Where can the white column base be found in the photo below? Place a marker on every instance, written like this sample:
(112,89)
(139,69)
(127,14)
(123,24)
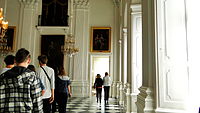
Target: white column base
(121,100)
(128,99)
(145,101)
(80,89)
(124,96)
(133,102)
(118,86)
(114,90)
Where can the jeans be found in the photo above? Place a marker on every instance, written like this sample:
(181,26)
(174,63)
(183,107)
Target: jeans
(98,94)
(106,92)
(46,106)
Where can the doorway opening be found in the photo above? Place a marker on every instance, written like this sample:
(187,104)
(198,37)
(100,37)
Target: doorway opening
(51,47)
(100,65)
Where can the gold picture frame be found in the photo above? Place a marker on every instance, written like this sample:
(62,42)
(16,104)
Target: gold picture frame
(100,39)
(10,36)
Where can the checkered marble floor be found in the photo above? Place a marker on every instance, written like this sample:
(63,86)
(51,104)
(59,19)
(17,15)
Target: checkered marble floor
(89,105)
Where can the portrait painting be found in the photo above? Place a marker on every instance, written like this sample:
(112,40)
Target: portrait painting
(10,38)
(100,39)
(51,47)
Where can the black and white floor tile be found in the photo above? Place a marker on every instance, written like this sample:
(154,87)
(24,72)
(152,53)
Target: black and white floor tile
(89,105)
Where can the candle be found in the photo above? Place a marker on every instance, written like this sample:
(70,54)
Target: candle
(1,19)
(5,24)
(1,12)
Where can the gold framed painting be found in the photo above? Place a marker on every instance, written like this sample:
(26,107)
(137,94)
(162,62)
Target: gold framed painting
(100,39)
(10,37)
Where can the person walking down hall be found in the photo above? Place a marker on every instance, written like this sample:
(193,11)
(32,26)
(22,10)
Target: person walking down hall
(9,61)
(46,74)
(20,90)
(106,84)
(62,90)
(98,85)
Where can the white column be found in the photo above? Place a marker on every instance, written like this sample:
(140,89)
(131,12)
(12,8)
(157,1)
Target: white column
(129,60)
(135,61)
(124,66)
(80,83)
(116,50)
(145,101)
(120,67)
(124,56)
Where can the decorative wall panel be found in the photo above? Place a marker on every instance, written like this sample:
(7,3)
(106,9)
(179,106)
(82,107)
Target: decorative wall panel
(172,54)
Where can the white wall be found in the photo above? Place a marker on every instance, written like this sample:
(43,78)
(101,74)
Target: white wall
(101,13)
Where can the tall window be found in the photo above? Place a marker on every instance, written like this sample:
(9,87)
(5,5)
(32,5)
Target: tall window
(54,13)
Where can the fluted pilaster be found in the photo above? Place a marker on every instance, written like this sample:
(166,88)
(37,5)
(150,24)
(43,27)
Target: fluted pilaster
(28,20)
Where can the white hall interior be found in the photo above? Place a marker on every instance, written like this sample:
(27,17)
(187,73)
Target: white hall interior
(153,60)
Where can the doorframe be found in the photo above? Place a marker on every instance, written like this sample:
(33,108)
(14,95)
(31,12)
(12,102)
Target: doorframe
(91,58)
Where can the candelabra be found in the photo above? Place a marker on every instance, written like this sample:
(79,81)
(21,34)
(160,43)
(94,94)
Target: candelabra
(4,48)
(69,46)
(3,24)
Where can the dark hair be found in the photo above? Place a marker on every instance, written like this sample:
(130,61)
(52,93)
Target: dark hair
(106,73)
(61,71)
(98,76)
(43,59)
(22,55)
(31,67)
(9,60)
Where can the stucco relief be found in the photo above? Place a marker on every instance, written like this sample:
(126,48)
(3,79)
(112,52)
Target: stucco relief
(136,1)
(81,4)
(116,2)
(29,3)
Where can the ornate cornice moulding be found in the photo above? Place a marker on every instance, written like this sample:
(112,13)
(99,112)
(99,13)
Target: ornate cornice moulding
(29,3)
(116,2)
(81,4)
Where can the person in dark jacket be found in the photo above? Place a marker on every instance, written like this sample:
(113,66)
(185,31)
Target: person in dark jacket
(20,90)
(98,85)
(62,91)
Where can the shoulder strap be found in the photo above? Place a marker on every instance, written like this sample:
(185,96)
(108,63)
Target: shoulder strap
(46,74)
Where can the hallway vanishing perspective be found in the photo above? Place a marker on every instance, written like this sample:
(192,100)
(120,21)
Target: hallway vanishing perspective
(89,105)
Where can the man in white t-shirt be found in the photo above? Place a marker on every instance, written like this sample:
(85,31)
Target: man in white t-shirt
(106,84)
(9,61)
(46,74)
